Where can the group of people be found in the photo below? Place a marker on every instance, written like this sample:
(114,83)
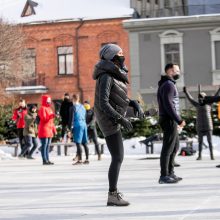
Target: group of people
(77,120)
(110,108)
(111,105)
(33,124)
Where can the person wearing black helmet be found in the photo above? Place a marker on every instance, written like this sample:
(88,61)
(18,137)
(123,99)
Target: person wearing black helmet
(111,103)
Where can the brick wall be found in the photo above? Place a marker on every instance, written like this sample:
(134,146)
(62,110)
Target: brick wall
(45,38)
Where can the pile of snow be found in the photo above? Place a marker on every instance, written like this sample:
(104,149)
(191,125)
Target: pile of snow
(131,147)
(6,156)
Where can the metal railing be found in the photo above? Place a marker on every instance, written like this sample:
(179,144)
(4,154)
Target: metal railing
(36,81)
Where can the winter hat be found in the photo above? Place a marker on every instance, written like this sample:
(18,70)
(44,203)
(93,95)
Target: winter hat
(31,107)
(108,51)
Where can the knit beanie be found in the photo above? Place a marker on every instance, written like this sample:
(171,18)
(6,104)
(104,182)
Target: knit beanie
(108,51)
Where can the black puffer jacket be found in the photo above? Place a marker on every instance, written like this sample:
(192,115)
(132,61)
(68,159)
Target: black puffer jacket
(111,99)
(204,118)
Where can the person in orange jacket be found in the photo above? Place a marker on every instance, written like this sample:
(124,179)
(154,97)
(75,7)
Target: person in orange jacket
(46,128)
(18,116)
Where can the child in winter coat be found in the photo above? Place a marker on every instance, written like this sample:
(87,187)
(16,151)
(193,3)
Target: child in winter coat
(18,116)
(30,133)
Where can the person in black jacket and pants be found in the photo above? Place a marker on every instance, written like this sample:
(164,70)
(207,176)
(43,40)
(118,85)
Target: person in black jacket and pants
(204,125)
(170,120)
(111,103)
(65,113)
(91,127)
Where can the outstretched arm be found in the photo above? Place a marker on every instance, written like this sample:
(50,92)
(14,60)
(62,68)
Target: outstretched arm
(190,98)
(212,99)
(218,92)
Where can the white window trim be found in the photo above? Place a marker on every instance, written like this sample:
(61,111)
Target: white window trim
(215,36)
(166,38)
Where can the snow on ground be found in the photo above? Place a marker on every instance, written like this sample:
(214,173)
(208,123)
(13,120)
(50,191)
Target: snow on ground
(132,147)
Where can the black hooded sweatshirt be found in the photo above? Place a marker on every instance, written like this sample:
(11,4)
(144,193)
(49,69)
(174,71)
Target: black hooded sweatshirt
(65,111)
(168,99)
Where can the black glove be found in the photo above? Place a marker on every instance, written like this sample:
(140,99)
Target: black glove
(184,89)
(125,123)
(137,108)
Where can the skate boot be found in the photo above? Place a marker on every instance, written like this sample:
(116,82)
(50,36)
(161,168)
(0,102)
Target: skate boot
(115,199)
(99,157)
(199,157)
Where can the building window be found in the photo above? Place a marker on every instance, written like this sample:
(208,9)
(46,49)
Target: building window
(215,45)
(29,67)
(65,60)
(172,53)
(217,55)
(171,45)
(215,50)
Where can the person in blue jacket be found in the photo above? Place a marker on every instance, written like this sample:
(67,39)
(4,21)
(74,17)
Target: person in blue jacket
(79,128)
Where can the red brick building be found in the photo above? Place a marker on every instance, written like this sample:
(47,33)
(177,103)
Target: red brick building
(62,53)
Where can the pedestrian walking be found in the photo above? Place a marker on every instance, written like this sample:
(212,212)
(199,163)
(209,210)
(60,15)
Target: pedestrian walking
(111,103)
(30,133)
(46,128)
(18,116)
(79,128)
(91,126)
(170,121)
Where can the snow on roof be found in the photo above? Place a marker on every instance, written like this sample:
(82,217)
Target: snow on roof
(55,10)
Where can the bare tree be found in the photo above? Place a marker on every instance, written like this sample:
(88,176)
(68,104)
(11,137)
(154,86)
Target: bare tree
(12,55)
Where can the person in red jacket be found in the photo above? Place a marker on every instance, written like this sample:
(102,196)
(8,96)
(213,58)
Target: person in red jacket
(18,116)
(46,128)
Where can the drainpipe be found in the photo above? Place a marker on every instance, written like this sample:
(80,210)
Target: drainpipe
(77,56)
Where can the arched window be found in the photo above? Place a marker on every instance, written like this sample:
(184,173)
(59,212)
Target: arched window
(171,44)
(215,45)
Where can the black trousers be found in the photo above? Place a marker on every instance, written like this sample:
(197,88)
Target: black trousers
(116,149)
(92,133)
(170,145)
(209,139)
(21,137)
(64,129)
(79,151)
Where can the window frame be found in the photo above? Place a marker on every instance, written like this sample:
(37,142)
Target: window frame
(65,61)
(215,36)
(172,37)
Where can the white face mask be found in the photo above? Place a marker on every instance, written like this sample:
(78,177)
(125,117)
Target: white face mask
(48,100)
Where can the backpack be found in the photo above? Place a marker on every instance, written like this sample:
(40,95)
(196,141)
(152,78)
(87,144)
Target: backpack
(187,151)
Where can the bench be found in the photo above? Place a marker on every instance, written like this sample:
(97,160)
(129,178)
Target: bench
(13,145)
(59,145)
(150,144)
